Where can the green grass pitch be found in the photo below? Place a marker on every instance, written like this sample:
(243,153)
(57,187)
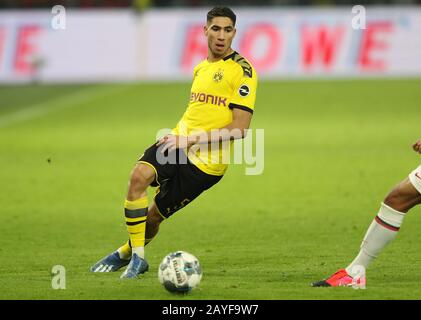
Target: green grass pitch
(333,149)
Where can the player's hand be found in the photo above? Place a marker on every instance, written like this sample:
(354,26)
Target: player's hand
(171,142)
(417,146)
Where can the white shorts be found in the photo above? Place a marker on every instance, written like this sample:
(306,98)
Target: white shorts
(415,178)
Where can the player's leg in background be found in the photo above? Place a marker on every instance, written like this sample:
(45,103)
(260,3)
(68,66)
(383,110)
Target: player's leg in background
(403,197)
(152,223)
(386,224)
(382,231)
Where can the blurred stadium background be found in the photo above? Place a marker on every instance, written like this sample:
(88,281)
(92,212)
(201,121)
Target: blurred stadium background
(82,96)
(163,39)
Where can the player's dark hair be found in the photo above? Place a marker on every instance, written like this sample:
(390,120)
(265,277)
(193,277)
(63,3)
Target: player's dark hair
(221,12)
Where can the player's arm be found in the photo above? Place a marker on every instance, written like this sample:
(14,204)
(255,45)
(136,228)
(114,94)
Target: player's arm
(241,120)
(237,129)
(417,146)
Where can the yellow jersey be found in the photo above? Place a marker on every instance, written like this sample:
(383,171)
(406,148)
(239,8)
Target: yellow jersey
(218,87)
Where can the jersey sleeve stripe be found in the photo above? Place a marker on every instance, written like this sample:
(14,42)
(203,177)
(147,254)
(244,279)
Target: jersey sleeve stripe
(239,106)
(230,56)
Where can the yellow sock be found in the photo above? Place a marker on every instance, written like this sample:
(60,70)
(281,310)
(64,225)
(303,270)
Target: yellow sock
(125,251)
(136,213)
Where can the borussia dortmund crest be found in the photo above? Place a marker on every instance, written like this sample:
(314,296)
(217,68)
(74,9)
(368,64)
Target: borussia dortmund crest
(218,75)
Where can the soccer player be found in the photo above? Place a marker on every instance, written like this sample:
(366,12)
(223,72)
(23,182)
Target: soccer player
(221,106)
(382,230)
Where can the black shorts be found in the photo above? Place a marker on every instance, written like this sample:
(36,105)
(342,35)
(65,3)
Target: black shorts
(179,182)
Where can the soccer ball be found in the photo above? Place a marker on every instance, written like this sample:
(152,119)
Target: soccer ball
(180,272)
